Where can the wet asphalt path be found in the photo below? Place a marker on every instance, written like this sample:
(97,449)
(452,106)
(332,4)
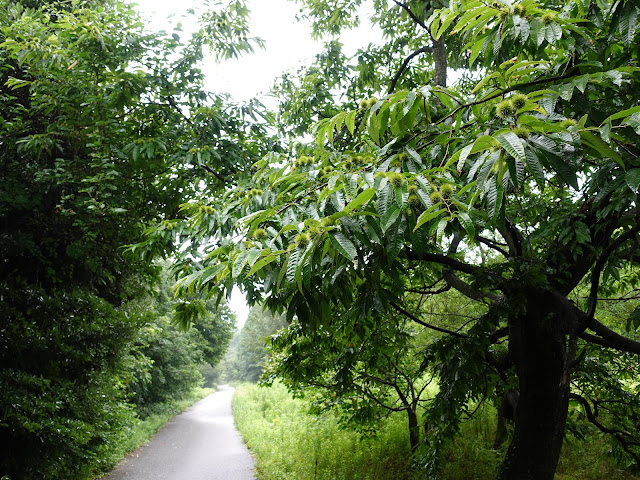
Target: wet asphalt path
(199,444)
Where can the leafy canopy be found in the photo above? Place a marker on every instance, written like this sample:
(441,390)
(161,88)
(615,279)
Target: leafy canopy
(518,188)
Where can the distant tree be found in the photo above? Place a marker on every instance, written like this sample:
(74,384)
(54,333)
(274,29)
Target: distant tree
(249,352)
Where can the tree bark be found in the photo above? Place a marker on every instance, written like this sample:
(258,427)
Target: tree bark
(537,344)
(414,429)
(440,62)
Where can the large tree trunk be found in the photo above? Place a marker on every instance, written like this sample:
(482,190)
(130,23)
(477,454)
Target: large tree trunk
(537,344)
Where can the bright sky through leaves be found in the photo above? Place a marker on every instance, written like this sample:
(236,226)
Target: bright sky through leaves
(288,45)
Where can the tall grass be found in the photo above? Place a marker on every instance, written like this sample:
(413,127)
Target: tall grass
(290,444)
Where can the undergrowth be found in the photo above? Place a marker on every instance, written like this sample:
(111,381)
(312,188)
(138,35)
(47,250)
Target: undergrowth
(290,444)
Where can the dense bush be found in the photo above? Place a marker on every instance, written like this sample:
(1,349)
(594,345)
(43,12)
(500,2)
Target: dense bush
(62,357)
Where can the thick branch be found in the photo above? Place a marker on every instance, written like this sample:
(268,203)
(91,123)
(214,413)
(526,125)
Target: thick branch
(413,16)
(425,324)
(213,172)
(609,338)
(429,292)
(469,292)
(513,237)
(442,260)
(404,66)
(493,245)
(498,334)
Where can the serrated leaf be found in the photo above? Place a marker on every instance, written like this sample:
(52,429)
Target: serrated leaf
(396,241)
(442,224)
(464,154)
(623,113)
(634,122)
(263,262)
(581,82)
(566,171)
(428,215)
(360,200)
(389,217)
(467,223)
(350,121)
(343,245)
(292,265)
(512,144)
(601,147)
(511,165)
(239,263)
(413,154)
(605,131)
(253,255)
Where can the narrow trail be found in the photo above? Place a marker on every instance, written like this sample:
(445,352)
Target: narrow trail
(200,444)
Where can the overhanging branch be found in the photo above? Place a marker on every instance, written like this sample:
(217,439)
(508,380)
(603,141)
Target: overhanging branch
(450,262)
(425,324)
(609,338)
(626,440)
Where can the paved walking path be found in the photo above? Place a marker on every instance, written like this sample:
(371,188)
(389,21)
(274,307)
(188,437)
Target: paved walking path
(199,444)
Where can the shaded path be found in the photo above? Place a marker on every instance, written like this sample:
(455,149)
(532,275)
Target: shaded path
(199,444)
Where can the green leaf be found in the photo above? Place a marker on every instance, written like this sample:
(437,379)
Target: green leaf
(623,113)
(239,263)
(536,168)
(343,245)
(362,199)
(632,177)
(389,217)
(566,171)
(263,262)
(600,147)
(15,83)
(350,121)
(467,223)
(464,154)
(442,224)
(429,215)
(292,265)
(634,122)
(512,144)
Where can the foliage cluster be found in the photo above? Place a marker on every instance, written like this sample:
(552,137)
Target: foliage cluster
(517,188)
(104,129)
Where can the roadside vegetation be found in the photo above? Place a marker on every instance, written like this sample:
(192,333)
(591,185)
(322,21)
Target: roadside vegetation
(290,443)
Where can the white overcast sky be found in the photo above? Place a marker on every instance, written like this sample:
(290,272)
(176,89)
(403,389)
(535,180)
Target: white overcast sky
(288,45)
